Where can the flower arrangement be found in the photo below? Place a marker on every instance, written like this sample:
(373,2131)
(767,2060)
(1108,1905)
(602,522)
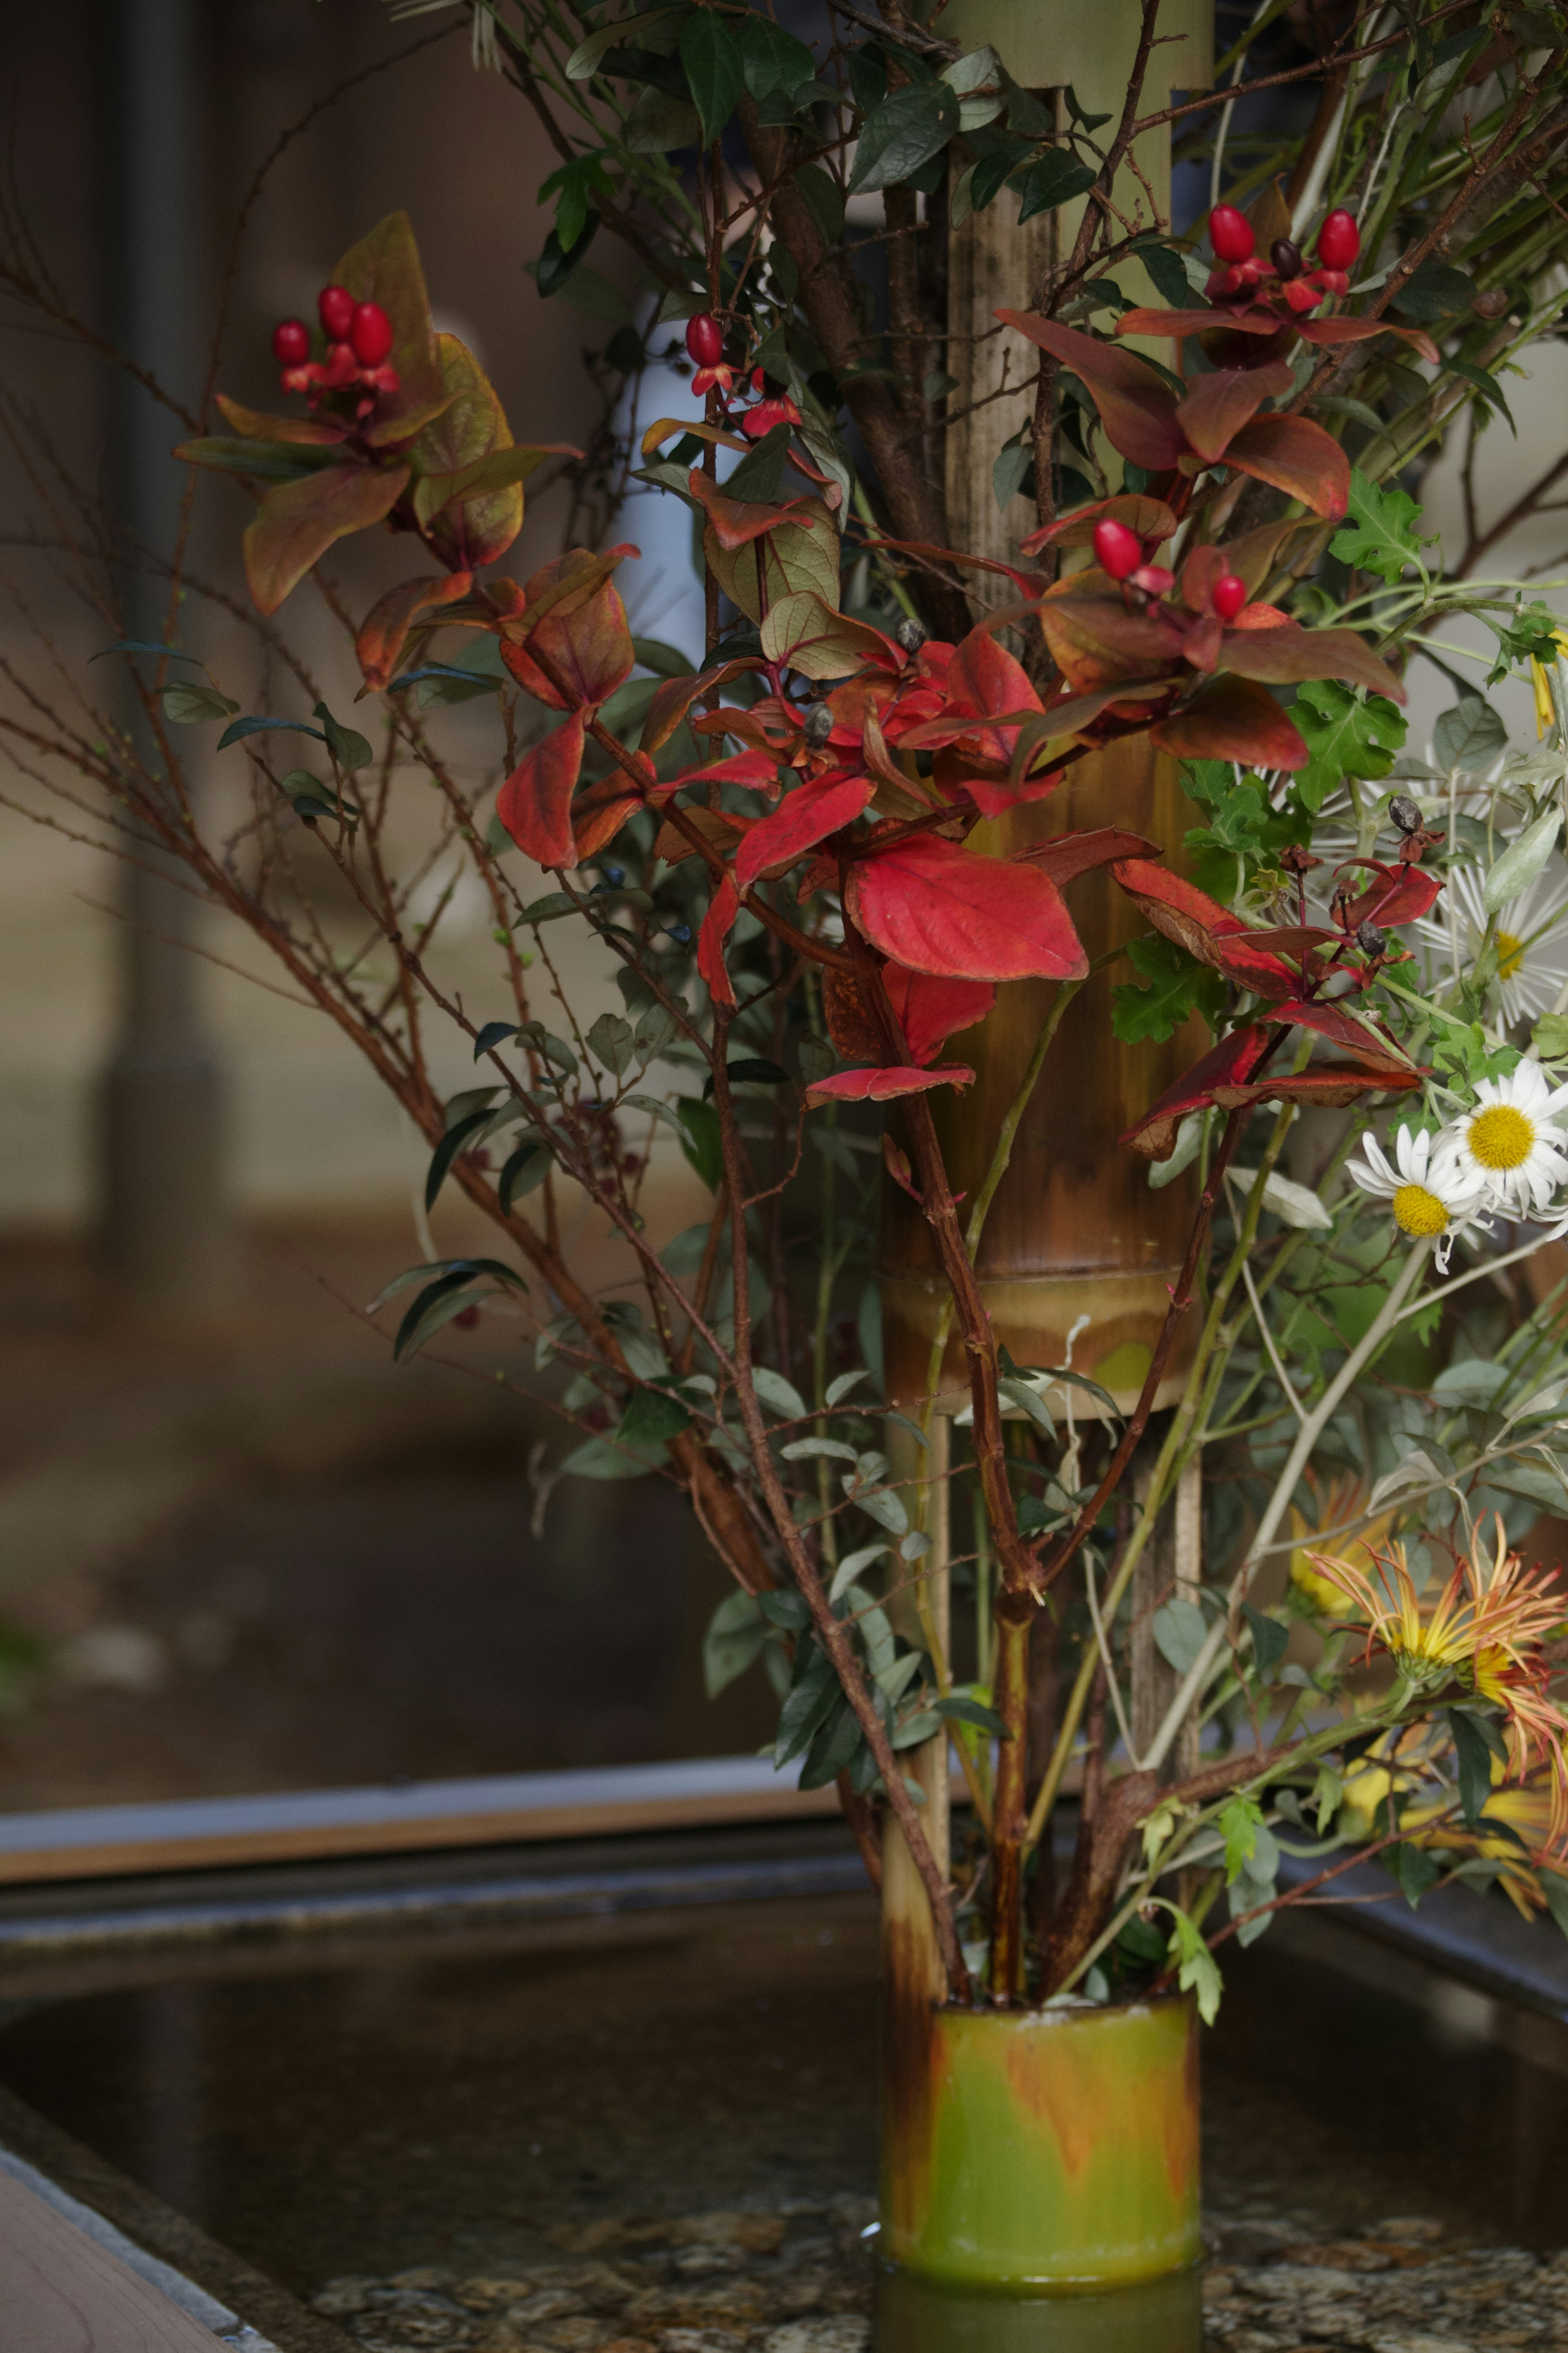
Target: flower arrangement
(784,850)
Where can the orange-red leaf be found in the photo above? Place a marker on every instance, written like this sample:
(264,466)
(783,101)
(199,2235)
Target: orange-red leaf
(938,909)
(1398,898)
(1333,1019)
(1151,518)
(806,816)
(295,523)
(1178,323)
(1136,406)
(573,619)
(476,529)
(1282,654)
(881,1086)
(600,813)
(1220,403)
(1223,1078)
(929,1010)
(1231,719)
(1072,854)
(534,804)
(385,628)
(1329,333)
(1297,456)
(737,522)
(675,698)
(717,925)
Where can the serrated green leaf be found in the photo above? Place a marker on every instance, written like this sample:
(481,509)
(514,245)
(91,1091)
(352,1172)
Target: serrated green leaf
(1381,536)
(1345,737)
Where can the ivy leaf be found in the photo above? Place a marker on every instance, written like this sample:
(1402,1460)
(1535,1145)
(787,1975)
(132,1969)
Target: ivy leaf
(715,67)
(1175,985)
(1345,735)
(1381,534)
(1530,635)
(903,134)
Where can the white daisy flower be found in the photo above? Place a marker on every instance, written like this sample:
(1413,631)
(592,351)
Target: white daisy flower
(1509,1140)
(1532,939)
(1429,1193)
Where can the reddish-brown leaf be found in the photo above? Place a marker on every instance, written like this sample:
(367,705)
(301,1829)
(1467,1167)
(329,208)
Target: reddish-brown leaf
(807,816)
(1231,719)
(295,523)
(737,522)
(385,268)
(1229,1063)
(717,925)
(849,1025)
(1335,1021)
(600,813)
(385,628)
(1220,403)
(1178,323)
(1095,642)
(1394,899)
(929,1010)
(881,1086)
(808,634)
(473,530)
(675,698)
(252,426)
(574,620)
(1072,854)
(983,678)
(1329,334)
(939,909)
(1136,406)
(1297,456)
(1282,654)
(757,771)
(1151,518)
(535,805)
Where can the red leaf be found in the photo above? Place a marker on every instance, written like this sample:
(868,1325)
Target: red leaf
(929,1010)
(1327,334)
(1201,926)
(803,818)
(1231,1062)
(1297,456)
(1284,653)
(601,812)
(755,771)
(1219,405)
(675,698)
(1151,518)
(986,679)
(1072,854)
(1231,719)
(943,910)
(878,1086)
(1137,407)
(1178,323)
(1335,1021)
(296,523)
(386,626)
(581,631)
(534,804)
(1412,892)
(717,925)
(736,521)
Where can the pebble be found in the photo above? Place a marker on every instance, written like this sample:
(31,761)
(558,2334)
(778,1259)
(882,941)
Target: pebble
(794,2278)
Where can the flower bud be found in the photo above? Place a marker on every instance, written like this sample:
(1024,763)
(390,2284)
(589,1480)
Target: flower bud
(819,725)
(705,339)
(1370,940)
(1230,234)
(335,306)
(1227,595)
(911,635)
(1338,240)
(290,342)
(1118,550)
(369,333)
(1404,813)
(1286,257)
(1492,304)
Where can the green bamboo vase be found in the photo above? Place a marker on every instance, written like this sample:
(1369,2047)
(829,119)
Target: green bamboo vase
(1041,2153)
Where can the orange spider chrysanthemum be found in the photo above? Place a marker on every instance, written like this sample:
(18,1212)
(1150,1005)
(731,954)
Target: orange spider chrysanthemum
(1486,1631)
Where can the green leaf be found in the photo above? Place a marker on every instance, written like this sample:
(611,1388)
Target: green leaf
(1415,1868)
(243,727)
(850,1566)
(549,909)
(810,1700)
(880,1504)
(736,1634)
(527,1169)
(494,1033)
(1269,1640)
(1379,536)
(1175,985)
(601,1457)
(1435,291)
(771,59)
(1180,1631)
(964,1710)
(1055,179)
(1469,736)
(1345,737)
(700,1140)
(1473,1756)
(715,67)
(839,1387)
(826,198)
(1240,1822)
(651,1415)
(774,1390)
(1522,861)
(1550,1036)
(435,1306)
(1198,1971)
(1014,462)
(348,748)
(1555,1887)
(143,646)
(445,1152)
(1168,272)
(751,1071)
(904,133)
(610,1041)
(189,704)
(832,1750)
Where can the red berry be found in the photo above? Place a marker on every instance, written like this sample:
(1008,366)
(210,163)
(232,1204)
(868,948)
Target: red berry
(290,342)
(705,339)
(335,308)
(1338,240)
(1118,549)
(1230,234)
(369,333)
(1227,595)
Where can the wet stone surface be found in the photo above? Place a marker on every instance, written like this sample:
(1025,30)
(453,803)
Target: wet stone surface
(1402,2284)
(791,2277)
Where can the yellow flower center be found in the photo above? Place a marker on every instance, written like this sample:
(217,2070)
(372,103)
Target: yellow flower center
(1500,1137)
(1510,955)
(1418,1211)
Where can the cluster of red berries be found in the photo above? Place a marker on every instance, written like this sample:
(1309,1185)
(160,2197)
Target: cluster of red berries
(1120,551)
(359,339)
(705,343)
(1240,270)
